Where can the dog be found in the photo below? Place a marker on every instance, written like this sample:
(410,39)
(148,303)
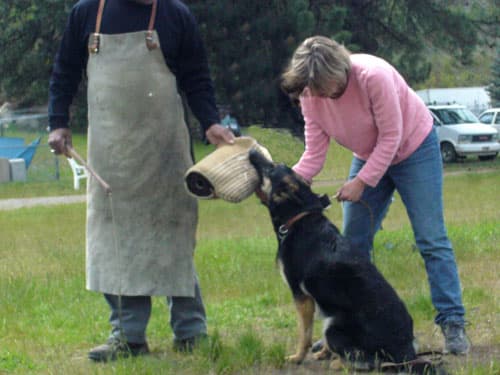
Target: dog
(365,322)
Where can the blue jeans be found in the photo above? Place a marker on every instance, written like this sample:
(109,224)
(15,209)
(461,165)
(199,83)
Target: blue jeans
(419,181)
(187,316)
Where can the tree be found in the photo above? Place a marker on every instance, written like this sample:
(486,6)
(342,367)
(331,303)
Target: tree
(485,16)
(249,43)
(494,86)
(31,33)
(447,70)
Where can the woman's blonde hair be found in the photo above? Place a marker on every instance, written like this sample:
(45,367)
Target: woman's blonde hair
(316,63)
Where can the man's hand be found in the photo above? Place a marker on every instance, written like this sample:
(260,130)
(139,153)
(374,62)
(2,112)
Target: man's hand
(217,135)
(351,190)
(59,141)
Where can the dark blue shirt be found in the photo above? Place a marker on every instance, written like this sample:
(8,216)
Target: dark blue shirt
(180,41)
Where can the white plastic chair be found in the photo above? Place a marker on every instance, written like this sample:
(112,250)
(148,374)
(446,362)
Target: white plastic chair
(79,172)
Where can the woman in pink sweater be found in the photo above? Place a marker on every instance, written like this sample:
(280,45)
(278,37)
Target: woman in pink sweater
(364,104)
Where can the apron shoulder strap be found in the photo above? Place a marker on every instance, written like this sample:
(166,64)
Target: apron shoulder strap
(94,38)
(149,34)
(99,16)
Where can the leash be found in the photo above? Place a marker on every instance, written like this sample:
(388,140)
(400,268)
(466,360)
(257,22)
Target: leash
(424,360)
(372,221)
(108,191)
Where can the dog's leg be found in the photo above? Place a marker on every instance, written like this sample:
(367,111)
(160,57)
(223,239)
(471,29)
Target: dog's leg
(305,310)
(325,352)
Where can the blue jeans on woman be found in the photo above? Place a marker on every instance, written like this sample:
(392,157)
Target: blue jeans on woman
(419,181)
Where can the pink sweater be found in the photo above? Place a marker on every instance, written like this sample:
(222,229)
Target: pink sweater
(378,117)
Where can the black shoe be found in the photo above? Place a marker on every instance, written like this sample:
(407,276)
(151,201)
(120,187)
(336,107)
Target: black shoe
(317,346)
(189,344)
(114,349)
(455,339)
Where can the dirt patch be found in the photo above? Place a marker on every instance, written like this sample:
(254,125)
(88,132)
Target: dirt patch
(479,356)
(339,181)
(12,204)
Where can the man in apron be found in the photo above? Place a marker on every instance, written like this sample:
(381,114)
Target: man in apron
(140,239)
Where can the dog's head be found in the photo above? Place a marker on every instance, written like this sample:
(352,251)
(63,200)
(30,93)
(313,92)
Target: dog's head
(284,192)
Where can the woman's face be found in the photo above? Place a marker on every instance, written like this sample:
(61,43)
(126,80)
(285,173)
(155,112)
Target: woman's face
(333,91)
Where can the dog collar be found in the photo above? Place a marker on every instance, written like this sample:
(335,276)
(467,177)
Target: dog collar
(284,228)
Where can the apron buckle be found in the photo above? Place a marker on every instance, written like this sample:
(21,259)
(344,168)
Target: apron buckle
(94,43)
(150,43)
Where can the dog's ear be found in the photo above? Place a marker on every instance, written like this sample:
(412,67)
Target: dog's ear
(324,199)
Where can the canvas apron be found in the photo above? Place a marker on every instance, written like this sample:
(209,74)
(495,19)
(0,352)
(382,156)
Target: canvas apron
(138,142)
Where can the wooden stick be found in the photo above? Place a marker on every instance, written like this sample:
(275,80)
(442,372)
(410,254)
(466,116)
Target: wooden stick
(103,183)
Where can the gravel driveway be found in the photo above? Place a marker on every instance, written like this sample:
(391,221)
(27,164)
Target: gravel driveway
(12,204)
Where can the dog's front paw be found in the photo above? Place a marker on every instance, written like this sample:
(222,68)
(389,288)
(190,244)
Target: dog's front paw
(323,354)
(295,358)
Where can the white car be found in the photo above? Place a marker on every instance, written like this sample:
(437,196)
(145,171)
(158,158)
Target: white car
(461,134)
(491,117)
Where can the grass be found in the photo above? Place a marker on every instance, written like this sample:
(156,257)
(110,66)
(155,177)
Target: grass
(48,321)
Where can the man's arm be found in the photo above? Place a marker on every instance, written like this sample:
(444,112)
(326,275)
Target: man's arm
(195,81)
(64,81)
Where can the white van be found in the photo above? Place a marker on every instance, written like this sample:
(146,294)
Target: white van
(461,134)
(491,117)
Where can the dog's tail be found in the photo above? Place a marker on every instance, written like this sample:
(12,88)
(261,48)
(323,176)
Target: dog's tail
(428,363)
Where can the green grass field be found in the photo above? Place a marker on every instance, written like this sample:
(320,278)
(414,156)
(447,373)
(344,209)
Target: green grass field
(48,321)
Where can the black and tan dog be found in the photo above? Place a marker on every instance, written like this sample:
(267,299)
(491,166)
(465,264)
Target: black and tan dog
(365,321)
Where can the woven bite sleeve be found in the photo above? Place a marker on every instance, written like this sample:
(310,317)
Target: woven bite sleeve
(199,185)
(226,173)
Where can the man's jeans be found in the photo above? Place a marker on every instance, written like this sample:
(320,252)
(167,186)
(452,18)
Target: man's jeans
(419,182)
(187,316)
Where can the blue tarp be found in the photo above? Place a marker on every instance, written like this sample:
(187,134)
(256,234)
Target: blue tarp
(14,148)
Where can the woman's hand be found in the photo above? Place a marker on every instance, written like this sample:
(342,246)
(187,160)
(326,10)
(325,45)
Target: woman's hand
(351,190)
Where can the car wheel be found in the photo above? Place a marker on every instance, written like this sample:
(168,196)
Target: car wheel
(448,153)
(488,157)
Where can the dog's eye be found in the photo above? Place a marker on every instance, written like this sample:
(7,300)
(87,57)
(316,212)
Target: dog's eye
(280,196)
(291,183)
